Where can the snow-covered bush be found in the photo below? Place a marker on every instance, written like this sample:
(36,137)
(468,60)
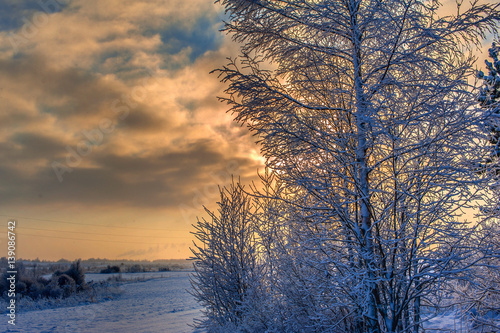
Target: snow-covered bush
(476,297)
(67,284)
(54,291)
(110,269)
(37,288)
(77,273)
(136,268)
(226,263)
(61,284)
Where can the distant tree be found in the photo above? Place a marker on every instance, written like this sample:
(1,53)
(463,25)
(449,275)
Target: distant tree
(225,260)
(366,118)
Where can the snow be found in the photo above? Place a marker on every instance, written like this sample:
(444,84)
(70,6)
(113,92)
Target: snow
(160,304)
(454,321)
(152,302)
(448,322)
(96,277)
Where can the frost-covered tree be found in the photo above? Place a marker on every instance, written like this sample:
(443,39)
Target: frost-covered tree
(367,118)
(490,92)
(481,295)
(489,97)
(226,267)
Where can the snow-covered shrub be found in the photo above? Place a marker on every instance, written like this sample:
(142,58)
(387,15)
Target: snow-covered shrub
(61,284)
(479,296)
(54,291)
(21,287)
(76,272)
(68,290)
(36,290)
(136,268)
(67,284)
(25,282)
(226,265)
(110,269)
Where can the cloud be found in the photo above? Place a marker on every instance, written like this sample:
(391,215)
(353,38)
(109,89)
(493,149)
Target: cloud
(108,109)
(160,179)
(31,145)
(66,94)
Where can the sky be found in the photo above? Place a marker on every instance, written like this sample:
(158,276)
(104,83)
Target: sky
(111,135)
(112,138)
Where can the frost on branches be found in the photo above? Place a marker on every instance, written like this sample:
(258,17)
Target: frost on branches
(489,97)
(226,260)
(366,124)
(481,294)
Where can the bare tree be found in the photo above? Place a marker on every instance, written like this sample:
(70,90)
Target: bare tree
(367,119)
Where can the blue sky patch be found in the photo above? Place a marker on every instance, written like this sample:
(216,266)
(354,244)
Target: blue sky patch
(15,13)
(202,37)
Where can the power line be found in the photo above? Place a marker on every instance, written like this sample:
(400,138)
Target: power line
(89,224)
(94,240)
(96,233)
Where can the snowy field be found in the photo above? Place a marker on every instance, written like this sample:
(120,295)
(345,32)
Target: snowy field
(159,304)
(152,302)
(454,322)
(96,277)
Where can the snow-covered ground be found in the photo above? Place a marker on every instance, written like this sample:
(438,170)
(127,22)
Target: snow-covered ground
(454,322)
(96,277)
(152,302)
(448,322)
(160,304)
